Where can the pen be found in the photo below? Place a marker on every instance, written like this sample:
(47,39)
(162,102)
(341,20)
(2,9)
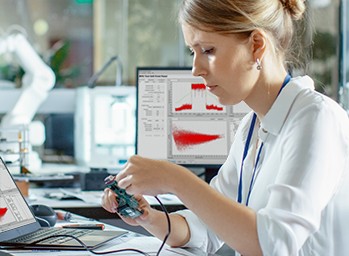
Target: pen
(85,226)
(63,215)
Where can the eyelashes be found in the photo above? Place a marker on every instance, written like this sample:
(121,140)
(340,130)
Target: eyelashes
(203,51)
(190,51)
(208,51)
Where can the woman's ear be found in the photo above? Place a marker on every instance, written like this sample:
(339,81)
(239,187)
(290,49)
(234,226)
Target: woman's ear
(258,44)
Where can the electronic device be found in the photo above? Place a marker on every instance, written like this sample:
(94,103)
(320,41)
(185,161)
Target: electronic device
(180,121)
(19,227)
(127,204)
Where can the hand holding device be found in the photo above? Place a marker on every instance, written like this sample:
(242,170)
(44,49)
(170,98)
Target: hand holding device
(127,204)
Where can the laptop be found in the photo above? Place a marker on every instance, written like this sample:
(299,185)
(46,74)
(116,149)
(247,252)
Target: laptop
(20,229)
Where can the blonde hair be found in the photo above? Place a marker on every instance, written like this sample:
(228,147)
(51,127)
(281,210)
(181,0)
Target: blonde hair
(276,17)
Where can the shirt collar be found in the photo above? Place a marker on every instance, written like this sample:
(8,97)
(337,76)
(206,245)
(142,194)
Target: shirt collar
(276,116)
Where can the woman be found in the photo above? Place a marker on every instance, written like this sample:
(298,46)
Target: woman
(280,191)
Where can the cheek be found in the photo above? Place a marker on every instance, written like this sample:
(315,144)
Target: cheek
(234,89)
(228,66)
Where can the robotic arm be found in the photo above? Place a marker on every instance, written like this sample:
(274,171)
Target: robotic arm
(38,80)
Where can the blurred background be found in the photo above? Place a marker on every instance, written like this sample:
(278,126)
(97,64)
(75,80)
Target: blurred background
(75,38)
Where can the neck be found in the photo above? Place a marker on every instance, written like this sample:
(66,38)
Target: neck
(265,93)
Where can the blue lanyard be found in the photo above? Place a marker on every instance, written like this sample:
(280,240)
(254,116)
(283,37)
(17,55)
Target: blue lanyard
(247,145)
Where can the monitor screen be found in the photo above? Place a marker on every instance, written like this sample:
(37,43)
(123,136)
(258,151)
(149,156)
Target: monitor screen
(180,121)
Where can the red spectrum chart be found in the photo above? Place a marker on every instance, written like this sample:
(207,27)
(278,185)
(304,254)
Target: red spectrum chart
(199,138)
(194,98)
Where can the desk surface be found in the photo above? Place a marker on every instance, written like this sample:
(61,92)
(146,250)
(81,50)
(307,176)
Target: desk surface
(148,244)
(89,204)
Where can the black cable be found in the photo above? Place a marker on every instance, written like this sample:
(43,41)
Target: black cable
(85,247)
(114,251)
(168,225)
(40,220)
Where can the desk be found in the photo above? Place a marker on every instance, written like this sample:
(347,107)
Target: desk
(93,209)
(90,206)
(132,240)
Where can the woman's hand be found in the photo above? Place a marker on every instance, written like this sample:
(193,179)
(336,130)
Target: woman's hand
(110,204)
(150,177)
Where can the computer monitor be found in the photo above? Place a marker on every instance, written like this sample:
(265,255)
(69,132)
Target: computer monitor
(180,121)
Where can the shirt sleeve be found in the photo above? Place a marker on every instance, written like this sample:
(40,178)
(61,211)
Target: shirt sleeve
(314,157)
(200,235)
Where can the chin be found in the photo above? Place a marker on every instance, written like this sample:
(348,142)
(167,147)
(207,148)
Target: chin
(229,102)
(225,101)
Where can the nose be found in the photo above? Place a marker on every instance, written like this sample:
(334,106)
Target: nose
(198,69)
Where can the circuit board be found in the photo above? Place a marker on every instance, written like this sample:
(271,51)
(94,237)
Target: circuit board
(127,204)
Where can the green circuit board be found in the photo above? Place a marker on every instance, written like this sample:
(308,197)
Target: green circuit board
(127,204)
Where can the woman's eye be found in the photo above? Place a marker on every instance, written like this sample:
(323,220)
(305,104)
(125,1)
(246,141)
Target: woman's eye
(207,51)
(191,52)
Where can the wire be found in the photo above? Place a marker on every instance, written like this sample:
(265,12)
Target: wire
(42,220)
(86,248)
(168,225)
(114,251)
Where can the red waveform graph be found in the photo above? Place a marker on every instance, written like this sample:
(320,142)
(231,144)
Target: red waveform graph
(185,139)
(3,212)
(197,100)
(198,87)
(184,107)
(190,106)
(214,107)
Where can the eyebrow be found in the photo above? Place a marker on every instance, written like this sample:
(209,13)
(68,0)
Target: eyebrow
(197,44)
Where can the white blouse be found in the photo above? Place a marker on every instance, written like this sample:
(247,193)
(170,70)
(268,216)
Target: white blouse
(301,186)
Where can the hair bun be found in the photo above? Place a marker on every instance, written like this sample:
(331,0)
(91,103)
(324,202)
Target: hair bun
(295,8)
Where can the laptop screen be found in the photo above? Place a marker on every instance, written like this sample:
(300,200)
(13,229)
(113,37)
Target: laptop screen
(15,215)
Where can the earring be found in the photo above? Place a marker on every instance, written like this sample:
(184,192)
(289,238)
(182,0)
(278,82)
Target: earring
(259,66)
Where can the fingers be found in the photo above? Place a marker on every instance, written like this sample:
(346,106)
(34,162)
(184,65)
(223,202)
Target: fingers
(125,177)
(125,182)
(109,202)
(140,176)
(143,203)
(121,175)
(128,168)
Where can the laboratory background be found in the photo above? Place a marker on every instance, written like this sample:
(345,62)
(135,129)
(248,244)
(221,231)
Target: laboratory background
(69,74)
(78,38)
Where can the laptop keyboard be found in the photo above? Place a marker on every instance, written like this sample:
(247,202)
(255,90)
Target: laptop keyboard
(46,232)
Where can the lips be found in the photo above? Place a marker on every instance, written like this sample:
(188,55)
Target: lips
(211,87)
(3,212)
